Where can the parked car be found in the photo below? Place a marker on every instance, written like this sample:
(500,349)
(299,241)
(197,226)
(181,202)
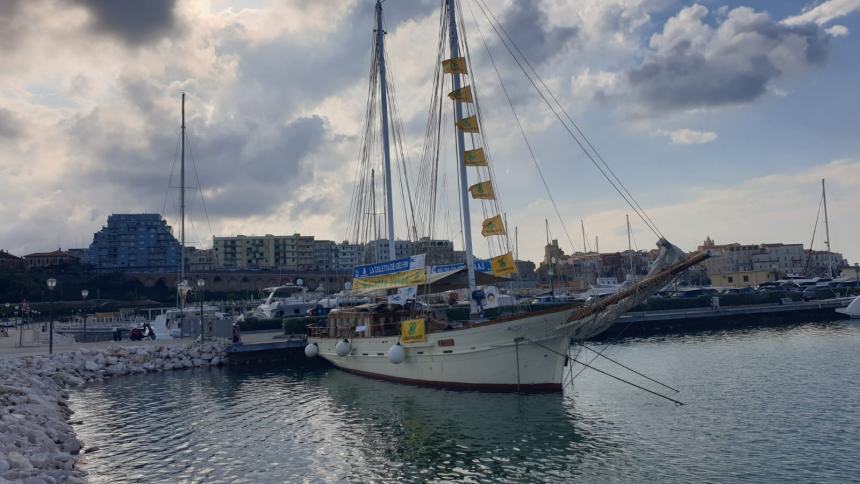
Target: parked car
(818,292)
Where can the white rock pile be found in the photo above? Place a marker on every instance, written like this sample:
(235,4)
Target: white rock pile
(37,443)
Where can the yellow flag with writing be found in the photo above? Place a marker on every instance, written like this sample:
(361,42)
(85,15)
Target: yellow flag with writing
(474,157)
(455,66)
(464,94)
(483,191)
(468,125)
(493,226)
(503,265)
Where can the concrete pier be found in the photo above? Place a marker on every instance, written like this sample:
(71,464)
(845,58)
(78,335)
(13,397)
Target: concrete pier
(644,323)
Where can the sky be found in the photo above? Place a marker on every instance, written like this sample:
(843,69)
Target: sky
(720,117)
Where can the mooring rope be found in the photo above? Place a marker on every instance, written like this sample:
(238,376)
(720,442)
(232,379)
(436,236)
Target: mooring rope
(677,402)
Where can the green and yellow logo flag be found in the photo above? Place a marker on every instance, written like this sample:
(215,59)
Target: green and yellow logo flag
(455,66)
(464,94)
(468,125)
(483,191)
(474,157)
(412,331)
(503,265)
(493,226)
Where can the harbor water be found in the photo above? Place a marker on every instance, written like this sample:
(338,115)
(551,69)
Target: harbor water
(762,405)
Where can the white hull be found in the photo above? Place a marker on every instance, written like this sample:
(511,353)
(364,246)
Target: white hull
(852,310)
(524,354)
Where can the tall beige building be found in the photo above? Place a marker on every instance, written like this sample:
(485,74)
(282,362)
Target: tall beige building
(289,252)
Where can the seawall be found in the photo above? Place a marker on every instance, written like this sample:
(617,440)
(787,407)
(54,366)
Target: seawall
(37,441)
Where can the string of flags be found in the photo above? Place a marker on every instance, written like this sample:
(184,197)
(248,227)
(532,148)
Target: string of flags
(504,264)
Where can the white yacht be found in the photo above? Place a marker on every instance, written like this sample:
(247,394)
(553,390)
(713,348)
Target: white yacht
(286,300)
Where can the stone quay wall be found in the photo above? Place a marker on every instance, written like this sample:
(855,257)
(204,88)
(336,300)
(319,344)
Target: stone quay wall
(37,442)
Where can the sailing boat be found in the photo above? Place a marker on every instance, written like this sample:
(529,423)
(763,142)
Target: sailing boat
(169,324)
(524,351)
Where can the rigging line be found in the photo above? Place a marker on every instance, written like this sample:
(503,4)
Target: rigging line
(633,206)
(522,130)
(631,369)
(398,137)
(812,242)
(199,186)
(503,243)
(170,179)
(596,152)
(605,373)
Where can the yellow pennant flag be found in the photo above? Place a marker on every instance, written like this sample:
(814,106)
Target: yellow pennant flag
(468,125)
(493,226)
(474,157)
(454,66)
(464,94)
(483,191)
(503,265)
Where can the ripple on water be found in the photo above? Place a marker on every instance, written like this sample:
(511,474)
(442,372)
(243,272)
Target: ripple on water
(763,405)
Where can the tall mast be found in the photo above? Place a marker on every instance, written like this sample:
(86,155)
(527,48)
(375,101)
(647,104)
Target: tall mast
(584,242)
(461,143)
(826,228)
(182,207)
(386,153)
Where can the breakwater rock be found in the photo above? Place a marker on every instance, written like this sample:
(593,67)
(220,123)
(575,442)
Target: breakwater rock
(37,442)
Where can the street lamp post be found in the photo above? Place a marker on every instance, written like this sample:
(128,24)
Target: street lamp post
(84,294)
(20,324)
(200,284)
(52,283)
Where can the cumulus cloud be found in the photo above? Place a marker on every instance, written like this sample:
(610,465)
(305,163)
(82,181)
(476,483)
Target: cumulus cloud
(535,36)
(824,12)
(837,31)
(133,21)
(687,136)
(693,64)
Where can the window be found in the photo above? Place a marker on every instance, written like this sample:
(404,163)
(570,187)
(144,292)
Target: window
(731,279)
(746,278)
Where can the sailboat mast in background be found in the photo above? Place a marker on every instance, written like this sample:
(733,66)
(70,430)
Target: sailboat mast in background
(826,228)
(182,210)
